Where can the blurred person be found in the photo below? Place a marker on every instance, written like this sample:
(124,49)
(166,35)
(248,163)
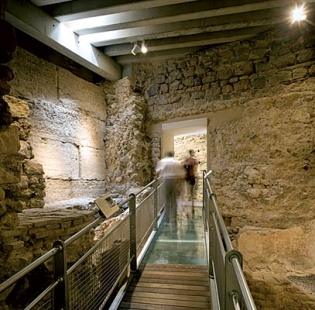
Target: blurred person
(172,172)
(191,165)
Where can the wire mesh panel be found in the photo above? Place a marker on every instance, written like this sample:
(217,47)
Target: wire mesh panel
(144,221)
(26,289)
(94,277)
(45,303)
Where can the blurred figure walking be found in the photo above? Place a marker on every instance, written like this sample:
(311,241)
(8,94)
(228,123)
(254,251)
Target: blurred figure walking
(172,172)
(191,165)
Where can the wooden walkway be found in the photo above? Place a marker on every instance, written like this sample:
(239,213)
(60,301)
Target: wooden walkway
(169,287)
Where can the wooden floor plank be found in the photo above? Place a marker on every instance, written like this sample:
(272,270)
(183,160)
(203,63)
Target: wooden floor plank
(169,287)
(135,306)
(200,291)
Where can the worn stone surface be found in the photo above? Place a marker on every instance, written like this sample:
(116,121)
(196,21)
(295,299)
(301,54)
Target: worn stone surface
(68,126)
(279,279)
(9,141)
(18,108)
(128,148)
(263,155)
(259,99)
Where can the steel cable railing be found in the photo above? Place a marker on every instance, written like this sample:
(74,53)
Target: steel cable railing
(92,281)
(229,289)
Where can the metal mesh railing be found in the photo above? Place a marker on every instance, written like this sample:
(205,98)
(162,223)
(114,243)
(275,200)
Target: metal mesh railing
(91,282)
(145,221)
(92,278)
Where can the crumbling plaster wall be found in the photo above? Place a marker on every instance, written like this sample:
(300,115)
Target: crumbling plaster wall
(259,98)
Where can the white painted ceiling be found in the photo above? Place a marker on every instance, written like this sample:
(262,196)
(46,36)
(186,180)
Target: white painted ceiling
(99,34)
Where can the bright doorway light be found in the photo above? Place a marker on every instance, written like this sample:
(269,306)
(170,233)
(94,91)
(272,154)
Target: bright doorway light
(298,14)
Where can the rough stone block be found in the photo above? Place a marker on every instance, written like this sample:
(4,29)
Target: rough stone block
(9,219)
(9,141)
(306,55)
(10,170)
(85,97)
(8,247)
(63,166)
(18,107)
(34,79)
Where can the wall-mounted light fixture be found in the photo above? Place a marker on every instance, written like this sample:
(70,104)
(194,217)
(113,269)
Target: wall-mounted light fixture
(135,49)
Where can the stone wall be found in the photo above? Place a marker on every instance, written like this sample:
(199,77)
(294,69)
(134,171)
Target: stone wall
(128,148)
(259,98)
(30,190)
(67,117)
(289,254)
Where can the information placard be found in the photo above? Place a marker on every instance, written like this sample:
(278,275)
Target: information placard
(107,205)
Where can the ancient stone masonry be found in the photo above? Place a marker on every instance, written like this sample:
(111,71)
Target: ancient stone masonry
(259,98)
(127,146)
(21,180)
(290,257)
(223,77)
(68,123)
(30,191)
(65,138)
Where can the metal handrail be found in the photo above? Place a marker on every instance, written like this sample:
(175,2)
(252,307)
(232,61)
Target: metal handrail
(248,298)
(59,287)
(229,287)
(4,285)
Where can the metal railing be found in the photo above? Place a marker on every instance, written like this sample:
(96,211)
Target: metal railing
(229,289)
(106,269)
(94,279)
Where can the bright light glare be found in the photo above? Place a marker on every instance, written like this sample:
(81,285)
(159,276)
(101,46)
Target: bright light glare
(298,14)
(143,48)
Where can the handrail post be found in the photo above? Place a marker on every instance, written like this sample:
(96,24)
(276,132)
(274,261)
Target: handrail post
(61,292)
(155,201)
(133,234)
(231,282)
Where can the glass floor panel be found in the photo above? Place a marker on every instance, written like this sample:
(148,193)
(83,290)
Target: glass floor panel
(181,241)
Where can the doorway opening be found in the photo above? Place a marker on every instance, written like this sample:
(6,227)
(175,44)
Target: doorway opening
(182,136)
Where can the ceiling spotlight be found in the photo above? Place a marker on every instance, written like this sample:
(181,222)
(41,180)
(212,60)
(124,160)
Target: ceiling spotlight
(144,49)
(298,14)
(134,49)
